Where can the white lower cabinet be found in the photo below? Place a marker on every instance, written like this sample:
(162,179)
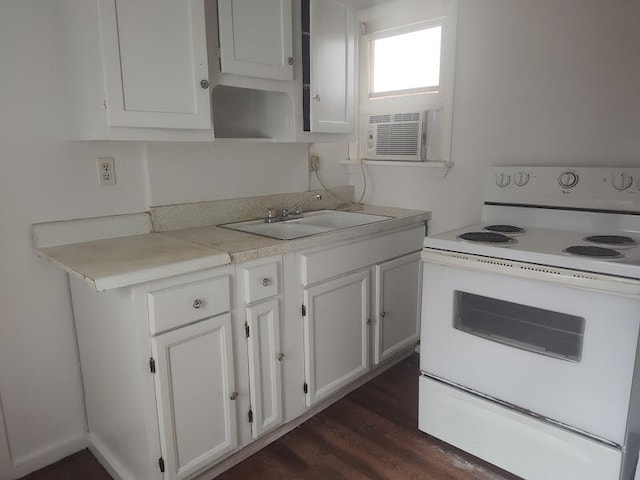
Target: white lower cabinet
(336,301)
(336,334)
(265,370)
(195,391)
(259,292)
(182,373)
(397,306)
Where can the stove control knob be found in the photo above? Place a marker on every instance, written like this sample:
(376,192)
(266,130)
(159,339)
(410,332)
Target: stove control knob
(503,179)
(568,179)
(622,181)
(521,179)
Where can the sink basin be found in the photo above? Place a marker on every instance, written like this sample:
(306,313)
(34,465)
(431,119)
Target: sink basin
(310,224)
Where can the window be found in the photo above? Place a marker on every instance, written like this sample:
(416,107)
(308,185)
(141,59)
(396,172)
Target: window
(405,63)
(407,69)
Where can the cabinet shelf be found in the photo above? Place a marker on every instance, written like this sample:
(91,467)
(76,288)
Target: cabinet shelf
(251,114)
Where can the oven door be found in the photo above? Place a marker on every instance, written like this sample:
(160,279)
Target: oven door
(544,340)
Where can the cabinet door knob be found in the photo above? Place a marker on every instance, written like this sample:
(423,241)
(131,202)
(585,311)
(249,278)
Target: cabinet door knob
(204,84)
(233,396)
(317,98)
(290,60)
(383,314)
(197,303)
(266,281)
(280,357)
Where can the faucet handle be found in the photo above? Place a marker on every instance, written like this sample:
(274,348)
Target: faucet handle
(270,213)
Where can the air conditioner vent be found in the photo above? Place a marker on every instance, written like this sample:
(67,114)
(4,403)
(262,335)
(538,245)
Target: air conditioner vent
(397,136)
(379,118)
(407,117)
(398,139)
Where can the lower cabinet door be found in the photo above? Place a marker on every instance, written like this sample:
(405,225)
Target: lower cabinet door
(265,371)
(397,306)
(336,334)
(195,391)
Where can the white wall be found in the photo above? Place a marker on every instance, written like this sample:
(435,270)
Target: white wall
(180,173)
(537,82)
(43,178)
(46,178)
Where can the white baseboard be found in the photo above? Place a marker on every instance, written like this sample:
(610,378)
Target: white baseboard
(108,461)
(46,456)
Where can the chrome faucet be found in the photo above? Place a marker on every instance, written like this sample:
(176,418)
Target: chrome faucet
(294,209)
(291,213)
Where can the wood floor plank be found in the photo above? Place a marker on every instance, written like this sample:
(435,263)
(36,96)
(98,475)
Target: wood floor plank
(371,434)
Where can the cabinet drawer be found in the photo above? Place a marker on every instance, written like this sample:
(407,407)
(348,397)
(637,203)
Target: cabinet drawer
(176,306)
(260,281)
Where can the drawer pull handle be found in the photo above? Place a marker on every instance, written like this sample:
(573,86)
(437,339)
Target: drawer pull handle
(197,303)
(266,281)
(280,357)
(233,396)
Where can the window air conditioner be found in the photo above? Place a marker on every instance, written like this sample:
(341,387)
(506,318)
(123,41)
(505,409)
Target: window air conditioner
(397,136)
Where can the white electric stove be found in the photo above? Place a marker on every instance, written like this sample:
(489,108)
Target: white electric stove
(530,325)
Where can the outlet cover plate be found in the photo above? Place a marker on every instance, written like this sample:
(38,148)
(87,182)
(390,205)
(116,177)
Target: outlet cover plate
(106,171)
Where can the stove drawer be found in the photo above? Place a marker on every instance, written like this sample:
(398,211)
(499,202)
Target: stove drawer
(513,441)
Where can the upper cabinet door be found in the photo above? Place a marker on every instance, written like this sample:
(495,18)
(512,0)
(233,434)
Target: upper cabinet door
(332,57)
(256,38)
(155,63)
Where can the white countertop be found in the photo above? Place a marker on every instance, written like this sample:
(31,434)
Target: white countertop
(109,263)
(244,247)
(118,262)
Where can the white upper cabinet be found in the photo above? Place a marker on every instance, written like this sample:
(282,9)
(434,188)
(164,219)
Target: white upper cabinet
(332,66)
(256,38)
(155,63)
(167,70)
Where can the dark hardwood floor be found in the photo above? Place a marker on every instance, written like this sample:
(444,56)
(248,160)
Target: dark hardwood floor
(371,434)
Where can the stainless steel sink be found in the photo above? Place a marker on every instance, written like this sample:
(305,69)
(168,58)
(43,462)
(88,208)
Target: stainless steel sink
(312,223)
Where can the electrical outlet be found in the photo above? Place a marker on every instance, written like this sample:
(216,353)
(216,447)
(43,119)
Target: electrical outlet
(106,171)
(314,163)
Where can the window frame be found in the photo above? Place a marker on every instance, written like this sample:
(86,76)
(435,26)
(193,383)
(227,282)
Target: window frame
(391,19)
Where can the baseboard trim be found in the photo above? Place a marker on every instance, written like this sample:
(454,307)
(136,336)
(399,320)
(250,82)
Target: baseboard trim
(46,456)
(107,460)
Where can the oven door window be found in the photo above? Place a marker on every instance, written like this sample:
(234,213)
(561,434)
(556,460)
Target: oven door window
(528,328)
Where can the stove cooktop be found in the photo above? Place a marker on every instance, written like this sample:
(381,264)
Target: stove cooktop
(553,248)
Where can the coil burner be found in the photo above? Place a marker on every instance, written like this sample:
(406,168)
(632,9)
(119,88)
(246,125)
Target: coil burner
(487,237)
(512,229)
(594,252)
(617,241)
